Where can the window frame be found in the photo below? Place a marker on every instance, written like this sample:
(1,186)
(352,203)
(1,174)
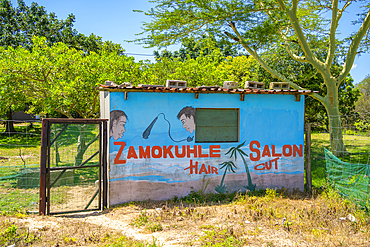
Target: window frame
(209,108)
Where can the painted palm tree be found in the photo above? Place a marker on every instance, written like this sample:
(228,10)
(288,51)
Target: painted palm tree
(229,166)
(233,153)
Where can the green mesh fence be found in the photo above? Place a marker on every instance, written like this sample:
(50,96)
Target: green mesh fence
(351,180)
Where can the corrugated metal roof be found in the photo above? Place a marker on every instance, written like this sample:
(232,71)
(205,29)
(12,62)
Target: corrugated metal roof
(202,89)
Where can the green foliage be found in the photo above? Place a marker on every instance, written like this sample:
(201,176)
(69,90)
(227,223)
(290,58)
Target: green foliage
(61,79)
(363,104)
(154,227)
(297,28)
(206,69)
(18,26)
(17,200)
(199,197)
(142,220)
(218,237)
(12,234)
(192,48)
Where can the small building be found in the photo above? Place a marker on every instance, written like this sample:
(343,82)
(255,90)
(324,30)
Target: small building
(169,141)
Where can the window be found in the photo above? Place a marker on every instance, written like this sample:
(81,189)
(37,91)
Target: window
(216,125)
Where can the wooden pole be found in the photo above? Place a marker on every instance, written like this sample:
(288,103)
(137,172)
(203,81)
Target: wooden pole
(43,162)
(105,168)
(308,158)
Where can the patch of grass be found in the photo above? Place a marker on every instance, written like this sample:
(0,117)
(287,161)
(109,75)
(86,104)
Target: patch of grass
(197,197)
(10,234)
(154,227)
(18,200)
(316,218)
(69,233)
(357,147)
(122,241)
(143,220)
(218,238)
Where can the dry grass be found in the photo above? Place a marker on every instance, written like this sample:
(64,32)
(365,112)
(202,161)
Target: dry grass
(50,231)
(272,219)
(264,218)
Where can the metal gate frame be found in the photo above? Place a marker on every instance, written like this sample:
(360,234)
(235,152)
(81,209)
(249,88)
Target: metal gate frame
(44,203)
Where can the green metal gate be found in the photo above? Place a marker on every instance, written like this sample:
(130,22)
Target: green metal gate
(73,167)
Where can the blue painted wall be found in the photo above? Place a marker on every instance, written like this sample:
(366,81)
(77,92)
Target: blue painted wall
(268,124)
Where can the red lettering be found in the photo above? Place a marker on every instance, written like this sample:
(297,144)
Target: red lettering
(266,151)
(209,169)
(275,160)
(131,153)
(191,151)
(200,155)
(203,169)
(167,150)
(191,167)
(297,150)
(273,152)
(183,153)
(159,154)
(268,165)
(257,151)
(214,170)
(116,159)
(144,154)
(214,151)
(257,167)
(289,153)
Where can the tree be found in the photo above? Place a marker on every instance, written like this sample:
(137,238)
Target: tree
(229,166)
(61,79)
(257,26)
(18,25)
(192,48)
(363,104)
(233,151)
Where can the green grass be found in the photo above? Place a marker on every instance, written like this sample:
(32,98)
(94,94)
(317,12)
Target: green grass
(357,147)
(18,200)
(12,234)
(220,238)
(22,148)
(20,157)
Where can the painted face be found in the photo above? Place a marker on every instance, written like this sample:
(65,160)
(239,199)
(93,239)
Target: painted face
(118,127)
(188,123)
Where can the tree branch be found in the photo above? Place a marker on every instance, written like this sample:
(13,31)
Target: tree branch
(276,74)
(302,40)
(352,51)
(333,27)
(318,97)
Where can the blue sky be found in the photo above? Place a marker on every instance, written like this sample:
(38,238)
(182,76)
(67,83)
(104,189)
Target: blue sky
(115,20)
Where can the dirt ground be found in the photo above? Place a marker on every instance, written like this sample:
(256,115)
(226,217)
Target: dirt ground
(268,219)
(188,225)
(179,232)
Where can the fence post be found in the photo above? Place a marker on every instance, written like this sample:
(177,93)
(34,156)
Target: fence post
(43,159)
(308,157)
(105,170)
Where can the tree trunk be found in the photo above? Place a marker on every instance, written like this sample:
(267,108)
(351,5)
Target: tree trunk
(331,104)
(81,145)
(336,136)
(9,123)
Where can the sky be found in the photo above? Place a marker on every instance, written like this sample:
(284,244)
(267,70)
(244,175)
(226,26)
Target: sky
(115,20)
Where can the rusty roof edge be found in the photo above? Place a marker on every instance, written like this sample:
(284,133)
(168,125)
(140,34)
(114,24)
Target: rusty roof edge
(202,91)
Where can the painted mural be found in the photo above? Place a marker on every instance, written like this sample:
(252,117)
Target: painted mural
(154,153)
